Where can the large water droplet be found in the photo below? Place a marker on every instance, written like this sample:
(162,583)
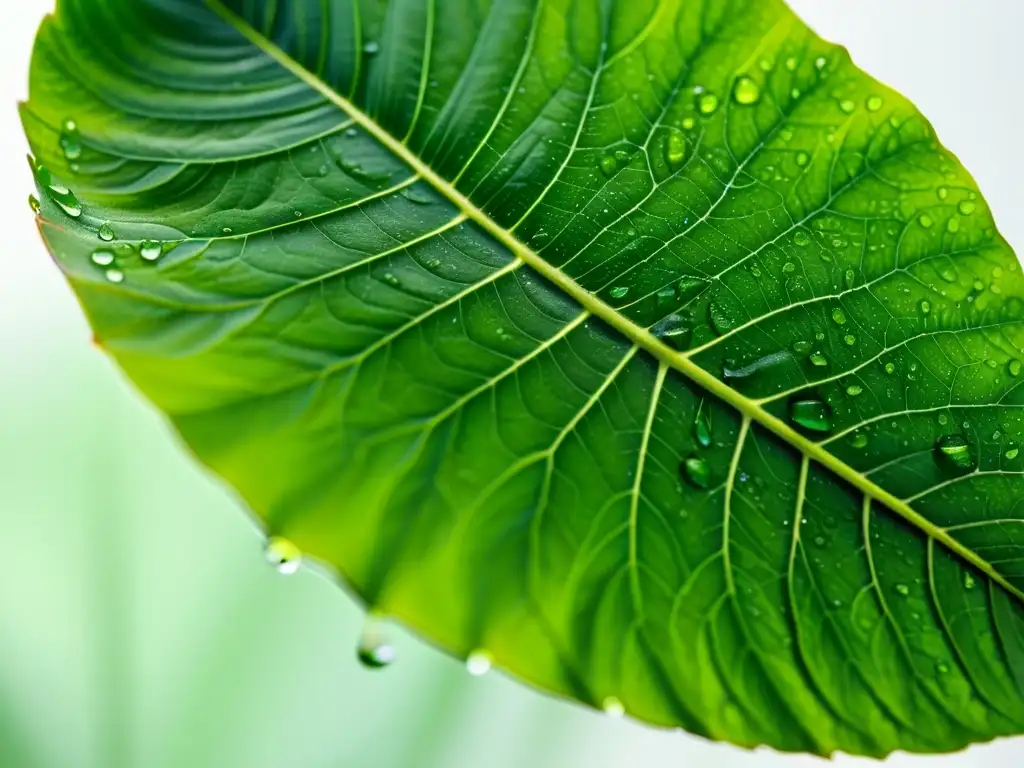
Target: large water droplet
(613,707)
(283,555)
(115,276)
(955,451)
(731,371)
(723,317)
(609,165)
(57,192)
(102,257)
(1014,367)
(415,195)
(479,663)
(150,250)
(375,651)
(839,316)
(818,359)
(966,207)
(70,141)
(106,233)
(812,414)
(696,470)
(674,330)
(746,91)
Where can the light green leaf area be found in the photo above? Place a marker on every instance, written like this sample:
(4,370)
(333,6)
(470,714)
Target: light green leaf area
(649,347)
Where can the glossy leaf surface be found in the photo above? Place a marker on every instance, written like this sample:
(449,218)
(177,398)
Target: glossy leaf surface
(651,347)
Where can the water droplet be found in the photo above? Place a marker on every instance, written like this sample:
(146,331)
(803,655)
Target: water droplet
(956,451)
(966,207)
(283,555)
(371,47)
(942,193)
(818,359)
(150,250)
(707,103)
(70,141)
(860,440)
(802,347)
(820,62)
(674,330)
(813,414)
(675,150)
(802,158)
(943,419)
(608,165)
(613,707)
(478,663)
(115,276)
(854,389)
(702,425)
(696,470)
(1012,453)
(925,306)
(801,238)
(732,371)
(949,275)
(1014,367)
(789,268)
(849,339)
(57,192)
(746,91)
(968,581)
(722,317)
(874,103)
(839,316)
(890,368)
(847,106)
(416,196)
(942,667)
(688,123)
(791,63)
(903,589)
(103,258)
(33,203)
(375,651)
(619,292)
(925,220)
(106,233)
(953,225)
(820,541)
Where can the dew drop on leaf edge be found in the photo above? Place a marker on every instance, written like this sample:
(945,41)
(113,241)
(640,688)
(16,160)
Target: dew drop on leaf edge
(613,707)
(283,555)
(479,663)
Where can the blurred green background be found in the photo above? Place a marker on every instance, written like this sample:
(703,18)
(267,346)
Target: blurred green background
(139,624)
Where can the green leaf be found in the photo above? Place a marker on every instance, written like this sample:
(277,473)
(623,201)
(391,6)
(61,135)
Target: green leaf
(651,348)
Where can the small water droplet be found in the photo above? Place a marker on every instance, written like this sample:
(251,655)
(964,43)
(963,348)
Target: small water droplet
(847,105)
(800,238)
(416,196)
(903,589)
(942,193)
(707,103)
(103,258)
(609,165)
(722,318)
(890,368)
(619,292)
(874,103)
(802,347)
(925,306)
(849,339)
(854,390)
(966,207)
(953,225)
(956,451)
(1012,453)
(105,233)
(818,359)
(674,330)
(115,276)
(791,63)
(34,204)
(860,440)
(696,470)
(613,707)
(812,414)
(675,150)
(702,425)
(478,663)
(968,580)
(1014,367)
(949,275)
(70,141)
(820,62)
(283,555)
(746,91)
(371,47)
(925,220)
(942,667)
(839,316)
(802,158)
(150,250)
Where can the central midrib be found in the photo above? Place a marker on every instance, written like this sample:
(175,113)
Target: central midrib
(640,336)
